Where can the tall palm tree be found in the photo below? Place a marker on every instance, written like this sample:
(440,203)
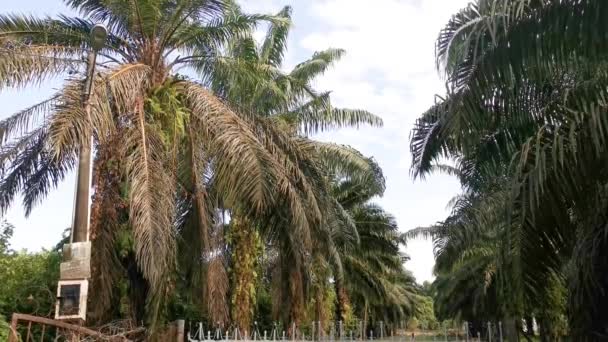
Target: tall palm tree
(166,143)
(288,101)
(372,275)
(526,85)
(375,279)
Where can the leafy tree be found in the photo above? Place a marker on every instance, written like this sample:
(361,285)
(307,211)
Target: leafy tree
(426,289)
(29,280)
(373,277)
(6,234)
(425,314)
(5,329)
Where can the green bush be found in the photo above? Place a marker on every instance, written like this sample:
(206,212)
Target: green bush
(28,281)
(4,330)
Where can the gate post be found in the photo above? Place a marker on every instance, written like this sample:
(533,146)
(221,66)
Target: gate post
(180,330)
(12,334)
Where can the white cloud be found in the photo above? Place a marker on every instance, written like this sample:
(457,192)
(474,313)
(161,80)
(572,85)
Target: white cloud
(389,69)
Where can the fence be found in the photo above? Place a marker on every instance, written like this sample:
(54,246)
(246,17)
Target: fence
(488,332)
(28,328)
(32,328)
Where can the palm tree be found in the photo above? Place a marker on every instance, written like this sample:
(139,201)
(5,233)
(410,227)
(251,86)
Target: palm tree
(372,276)
(526,86)
(375,279)
(169,151)
(288,101)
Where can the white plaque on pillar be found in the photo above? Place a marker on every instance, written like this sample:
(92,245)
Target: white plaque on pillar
(77,261)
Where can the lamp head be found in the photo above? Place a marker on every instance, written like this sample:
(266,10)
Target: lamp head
(98,37)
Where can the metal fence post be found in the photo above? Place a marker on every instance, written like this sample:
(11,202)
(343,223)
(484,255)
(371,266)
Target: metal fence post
(489,331)
(500,331)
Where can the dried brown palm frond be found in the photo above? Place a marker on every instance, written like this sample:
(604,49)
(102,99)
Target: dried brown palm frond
(116,91)
(38,160)
(152,205)
(244,170)
(22,65)
(242,166)
(200,197)
(208,235)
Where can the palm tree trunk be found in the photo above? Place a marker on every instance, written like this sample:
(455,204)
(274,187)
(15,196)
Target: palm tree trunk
(296,297)
(365,319)
(529,325)
(510,331)
(341,300)
(137,290)
(107,208)
(319,311)
(548,332)
(245,246)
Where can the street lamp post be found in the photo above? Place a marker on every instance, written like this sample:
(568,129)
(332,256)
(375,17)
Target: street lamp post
(81,220)
(75,270)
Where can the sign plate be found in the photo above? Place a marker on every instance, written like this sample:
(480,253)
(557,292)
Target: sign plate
(77,261)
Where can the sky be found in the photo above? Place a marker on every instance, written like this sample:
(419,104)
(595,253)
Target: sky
(388,69)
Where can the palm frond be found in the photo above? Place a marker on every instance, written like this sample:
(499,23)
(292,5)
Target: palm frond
(318,115)
(235,145)
(25,120)
(119,89)
(216,32)
(316,66)
(427,140)
(24,65)
(275,42)
(26,165)
(345,161)
(152,208)
(105,221)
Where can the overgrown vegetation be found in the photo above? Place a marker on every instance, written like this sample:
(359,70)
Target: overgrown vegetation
(29,280)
